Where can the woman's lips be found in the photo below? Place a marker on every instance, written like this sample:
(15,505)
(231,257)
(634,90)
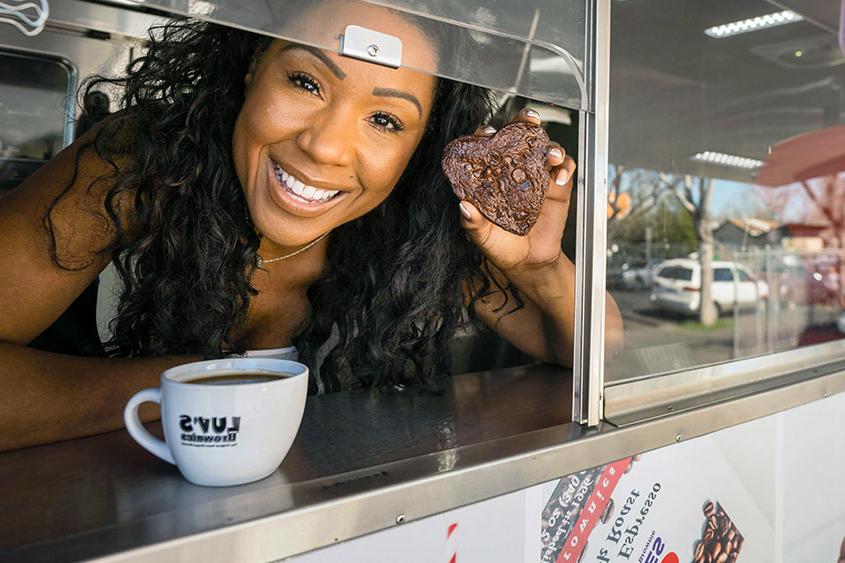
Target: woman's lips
(284,195)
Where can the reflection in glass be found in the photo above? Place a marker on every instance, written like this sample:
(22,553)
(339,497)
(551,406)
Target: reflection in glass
(535,49)
(726,205)
(33,108)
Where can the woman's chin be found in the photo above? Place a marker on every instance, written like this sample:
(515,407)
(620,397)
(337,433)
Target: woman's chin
(283,239)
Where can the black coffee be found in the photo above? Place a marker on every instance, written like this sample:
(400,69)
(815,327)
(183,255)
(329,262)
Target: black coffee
(236,378)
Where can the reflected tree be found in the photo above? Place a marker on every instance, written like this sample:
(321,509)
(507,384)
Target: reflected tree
(642,210)
(696,198)
(632,193)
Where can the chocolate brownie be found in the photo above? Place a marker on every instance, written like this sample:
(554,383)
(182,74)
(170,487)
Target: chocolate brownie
(504,176)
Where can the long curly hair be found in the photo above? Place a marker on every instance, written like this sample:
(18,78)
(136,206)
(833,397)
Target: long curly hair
(390,298)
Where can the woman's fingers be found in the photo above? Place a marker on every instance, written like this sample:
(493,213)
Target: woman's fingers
(558,164)
(555,156)
(561,180)
(485,131)
(527,114)
(477,226)
(563,173)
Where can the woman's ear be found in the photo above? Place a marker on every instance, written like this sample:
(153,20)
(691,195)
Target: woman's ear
(250,72)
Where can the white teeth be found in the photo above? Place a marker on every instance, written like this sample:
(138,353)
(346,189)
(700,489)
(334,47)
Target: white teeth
(303,191)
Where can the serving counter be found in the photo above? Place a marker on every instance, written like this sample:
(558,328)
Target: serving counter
(105,495)
(363,461)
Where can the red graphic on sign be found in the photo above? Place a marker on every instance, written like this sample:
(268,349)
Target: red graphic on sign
(450,545)
(671,557)
(589,516)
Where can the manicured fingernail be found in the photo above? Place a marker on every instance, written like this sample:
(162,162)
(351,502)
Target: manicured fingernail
(561,178)
(489,130)
(532,113)
(555,153)
(465,211)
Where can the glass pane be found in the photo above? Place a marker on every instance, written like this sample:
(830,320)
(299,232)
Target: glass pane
(727,153)
(534,49)
(497,315)
(33,114)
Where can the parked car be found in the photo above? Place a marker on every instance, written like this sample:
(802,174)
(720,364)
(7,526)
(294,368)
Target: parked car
(676,286)
(632,274)
(638,274)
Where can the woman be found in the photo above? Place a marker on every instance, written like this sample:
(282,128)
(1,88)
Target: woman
(256,194)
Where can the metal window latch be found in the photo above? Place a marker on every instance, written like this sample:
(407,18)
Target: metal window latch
(373,46)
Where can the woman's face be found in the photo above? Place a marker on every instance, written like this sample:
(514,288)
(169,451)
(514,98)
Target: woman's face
(322,139)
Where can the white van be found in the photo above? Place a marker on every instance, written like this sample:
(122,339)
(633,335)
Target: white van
(676,286)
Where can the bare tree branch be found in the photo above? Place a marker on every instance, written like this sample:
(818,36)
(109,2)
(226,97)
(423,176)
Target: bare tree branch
(684,194)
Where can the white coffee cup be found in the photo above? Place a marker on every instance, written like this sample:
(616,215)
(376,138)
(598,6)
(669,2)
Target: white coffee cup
(224,432)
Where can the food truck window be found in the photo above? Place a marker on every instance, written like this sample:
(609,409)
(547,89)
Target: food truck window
(726,156)
(516,306)
(35,97)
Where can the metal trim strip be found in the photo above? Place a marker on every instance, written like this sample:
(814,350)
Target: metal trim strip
(669,392)
(588,357)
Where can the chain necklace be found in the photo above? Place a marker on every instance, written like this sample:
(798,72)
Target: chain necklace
(261,262)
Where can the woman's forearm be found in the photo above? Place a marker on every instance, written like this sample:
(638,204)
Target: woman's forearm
(551,288)
(49,397)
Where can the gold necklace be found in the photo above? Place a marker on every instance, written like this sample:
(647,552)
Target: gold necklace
(261,262)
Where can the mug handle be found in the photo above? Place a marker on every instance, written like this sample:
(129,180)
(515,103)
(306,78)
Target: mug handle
(137,430)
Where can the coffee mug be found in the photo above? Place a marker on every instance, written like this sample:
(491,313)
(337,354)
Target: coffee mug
(226,422)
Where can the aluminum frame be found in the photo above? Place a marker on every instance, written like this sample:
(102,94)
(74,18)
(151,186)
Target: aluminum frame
(649,397)
(590,263)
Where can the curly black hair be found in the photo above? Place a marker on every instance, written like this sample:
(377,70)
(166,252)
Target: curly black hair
(391,295)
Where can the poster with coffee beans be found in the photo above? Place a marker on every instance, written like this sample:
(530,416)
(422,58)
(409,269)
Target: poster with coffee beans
(660,507)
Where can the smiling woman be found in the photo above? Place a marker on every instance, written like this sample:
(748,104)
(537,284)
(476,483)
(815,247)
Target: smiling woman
(253,194)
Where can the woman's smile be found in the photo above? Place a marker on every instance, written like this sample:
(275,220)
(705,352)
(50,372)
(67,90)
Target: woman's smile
(297,194)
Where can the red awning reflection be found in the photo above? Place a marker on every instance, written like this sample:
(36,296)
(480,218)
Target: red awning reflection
(806,156)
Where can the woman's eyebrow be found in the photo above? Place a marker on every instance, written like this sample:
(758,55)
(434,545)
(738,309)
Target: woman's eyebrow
(398,94)
(387,92)
(320,55)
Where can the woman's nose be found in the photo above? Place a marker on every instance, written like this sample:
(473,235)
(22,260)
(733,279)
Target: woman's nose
(328,138)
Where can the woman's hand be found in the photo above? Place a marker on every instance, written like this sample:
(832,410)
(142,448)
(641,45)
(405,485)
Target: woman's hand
(542,245)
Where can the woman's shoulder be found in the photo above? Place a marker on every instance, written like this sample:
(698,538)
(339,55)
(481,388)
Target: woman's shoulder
(55,235)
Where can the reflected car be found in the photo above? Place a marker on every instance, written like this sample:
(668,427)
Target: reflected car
(632,275)
(676,286)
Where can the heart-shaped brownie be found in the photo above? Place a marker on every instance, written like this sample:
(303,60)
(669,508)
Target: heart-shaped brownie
(504,176)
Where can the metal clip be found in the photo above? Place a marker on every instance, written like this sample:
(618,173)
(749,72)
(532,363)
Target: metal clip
(373,46)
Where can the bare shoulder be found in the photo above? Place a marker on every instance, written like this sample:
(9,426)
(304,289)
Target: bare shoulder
(54,229)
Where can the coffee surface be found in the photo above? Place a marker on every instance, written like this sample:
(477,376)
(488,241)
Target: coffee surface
(504,176)
(235,378)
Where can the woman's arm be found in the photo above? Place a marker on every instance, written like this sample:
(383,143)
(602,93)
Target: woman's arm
(544,326)
(46,397)
(50,397)
(536,266)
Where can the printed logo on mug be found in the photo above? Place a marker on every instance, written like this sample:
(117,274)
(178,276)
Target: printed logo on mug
(226,422)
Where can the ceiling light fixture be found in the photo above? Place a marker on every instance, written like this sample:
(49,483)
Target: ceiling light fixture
(730,160)
(753,24)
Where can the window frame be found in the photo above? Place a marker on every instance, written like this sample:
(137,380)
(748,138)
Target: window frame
(650,396)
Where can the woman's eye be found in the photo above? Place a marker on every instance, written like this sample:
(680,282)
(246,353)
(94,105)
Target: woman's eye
(304,82)
(388,122)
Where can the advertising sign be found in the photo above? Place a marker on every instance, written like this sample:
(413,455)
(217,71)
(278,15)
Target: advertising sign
(769,490)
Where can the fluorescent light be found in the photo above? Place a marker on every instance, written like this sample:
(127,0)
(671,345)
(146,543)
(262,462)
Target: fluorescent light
(730,160)
(753,24)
